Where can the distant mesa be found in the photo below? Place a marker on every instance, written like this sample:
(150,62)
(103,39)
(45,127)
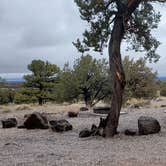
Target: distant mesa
(163,78)
(14,80)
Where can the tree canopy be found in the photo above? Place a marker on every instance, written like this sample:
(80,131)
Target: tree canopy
(86,81)
(138,23)
(42,80)
(141,81)
(92,77)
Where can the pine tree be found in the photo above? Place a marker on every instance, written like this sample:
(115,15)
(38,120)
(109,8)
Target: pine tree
(41,82)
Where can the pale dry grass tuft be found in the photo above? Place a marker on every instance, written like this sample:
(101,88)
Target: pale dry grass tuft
(23,107)
(6,109)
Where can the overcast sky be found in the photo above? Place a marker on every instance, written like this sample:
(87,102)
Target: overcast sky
(45,29)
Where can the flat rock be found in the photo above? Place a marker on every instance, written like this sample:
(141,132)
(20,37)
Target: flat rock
(101,110)
(84,109)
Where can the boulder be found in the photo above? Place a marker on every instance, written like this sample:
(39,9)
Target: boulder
(35,121)
(85,133)
(9,123)
(84,109)
(72,114)
(60,125)
(101,110)
(148,125)
(130,132)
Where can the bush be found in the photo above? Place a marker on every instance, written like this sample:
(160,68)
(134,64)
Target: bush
(162,88)
(21,97)
(6,96)
(140,79)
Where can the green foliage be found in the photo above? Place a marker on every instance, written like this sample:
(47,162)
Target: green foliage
(6,96)
(24,95)
(92,78)
(87,81)
(140,79)
(66,89)
(101,14)
(162,88)
(40,84)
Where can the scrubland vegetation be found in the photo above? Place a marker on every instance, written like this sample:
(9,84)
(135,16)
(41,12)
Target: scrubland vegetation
(88,80)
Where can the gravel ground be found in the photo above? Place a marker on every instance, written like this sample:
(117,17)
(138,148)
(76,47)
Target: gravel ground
(20,147)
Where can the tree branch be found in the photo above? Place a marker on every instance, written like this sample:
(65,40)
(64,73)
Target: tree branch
(131,6)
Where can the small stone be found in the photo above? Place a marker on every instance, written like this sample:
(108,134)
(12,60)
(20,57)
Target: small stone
(60,125)
(85,133)
(130,132)
(72,114)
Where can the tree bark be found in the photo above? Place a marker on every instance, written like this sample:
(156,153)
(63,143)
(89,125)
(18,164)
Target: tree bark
(40,101)
(117,75)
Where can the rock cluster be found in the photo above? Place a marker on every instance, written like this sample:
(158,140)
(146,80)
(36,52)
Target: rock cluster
(38,121)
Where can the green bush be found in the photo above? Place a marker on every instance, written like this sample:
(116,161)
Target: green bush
(162,88)
(6,96)
(22,96)
(140,79)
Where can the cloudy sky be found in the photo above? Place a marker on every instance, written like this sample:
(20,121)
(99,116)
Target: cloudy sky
(45,29)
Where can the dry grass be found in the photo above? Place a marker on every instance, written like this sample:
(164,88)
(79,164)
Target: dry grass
(6,109)
(23,107)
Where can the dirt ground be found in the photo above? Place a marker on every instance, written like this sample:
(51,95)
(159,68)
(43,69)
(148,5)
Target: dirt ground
(21,147)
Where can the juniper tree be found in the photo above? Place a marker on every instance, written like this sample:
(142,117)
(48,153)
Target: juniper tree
(140,79)
(86,81)
(110,22)
(92,79)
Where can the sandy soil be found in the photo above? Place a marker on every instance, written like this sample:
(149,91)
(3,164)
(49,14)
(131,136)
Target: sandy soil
(20,147)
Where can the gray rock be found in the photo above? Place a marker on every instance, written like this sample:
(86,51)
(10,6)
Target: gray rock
(85,133)
(60,125)
(9,123)
(35,121)
(148,125)
(72,114)
(130,132)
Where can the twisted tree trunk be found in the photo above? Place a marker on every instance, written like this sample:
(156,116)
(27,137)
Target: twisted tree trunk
(118,77)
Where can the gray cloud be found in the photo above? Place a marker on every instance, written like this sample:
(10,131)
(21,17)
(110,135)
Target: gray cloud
(45,30)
